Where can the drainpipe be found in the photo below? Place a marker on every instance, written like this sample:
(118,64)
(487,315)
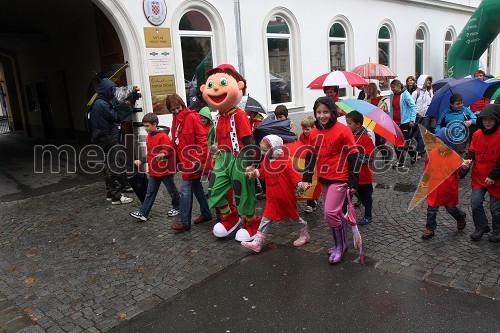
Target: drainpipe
(239,41)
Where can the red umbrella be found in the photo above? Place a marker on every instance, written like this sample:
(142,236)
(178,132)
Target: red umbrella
(374,71)
(337,78)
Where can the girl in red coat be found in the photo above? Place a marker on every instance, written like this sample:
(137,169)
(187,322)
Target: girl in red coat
(281,181)
(441,180)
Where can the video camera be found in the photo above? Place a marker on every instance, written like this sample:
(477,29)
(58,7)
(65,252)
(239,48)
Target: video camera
(124,101)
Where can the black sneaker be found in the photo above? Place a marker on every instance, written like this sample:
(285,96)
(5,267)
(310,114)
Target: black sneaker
(478,233)
(495,237)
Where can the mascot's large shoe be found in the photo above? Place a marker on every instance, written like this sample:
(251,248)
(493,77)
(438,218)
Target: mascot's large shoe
(228,223)
(249,230)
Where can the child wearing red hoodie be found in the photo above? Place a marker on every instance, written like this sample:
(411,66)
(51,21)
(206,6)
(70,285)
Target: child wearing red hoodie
(161,168)
(307,125)
(366,147)
(282,180)
(484,152)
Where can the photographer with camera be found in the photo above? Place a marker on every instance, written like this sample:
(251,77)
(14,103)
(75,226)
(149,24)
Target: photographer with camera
(105,133)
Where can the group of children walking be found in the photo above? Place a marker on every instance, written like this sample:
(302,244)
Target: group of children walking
(233,165)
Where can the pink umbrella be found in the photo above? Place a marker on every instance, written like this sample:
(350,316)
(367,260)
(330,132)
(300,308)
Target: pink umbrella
(374,71)
(337,78)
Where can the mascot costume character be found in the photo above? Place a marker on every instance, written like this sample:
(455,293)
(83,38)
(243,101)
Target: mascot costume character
(223,91)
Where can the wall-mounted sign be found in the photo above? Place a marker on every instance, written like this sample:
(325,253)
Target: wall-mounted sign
(155,11)
(161,86)
(160,61)
(157,37)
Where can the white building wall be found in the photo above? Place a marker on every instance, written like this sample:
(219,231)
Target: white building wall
(313,22)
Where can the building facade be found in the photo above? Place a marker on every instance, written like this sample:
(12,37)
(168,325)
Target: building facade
(50,53)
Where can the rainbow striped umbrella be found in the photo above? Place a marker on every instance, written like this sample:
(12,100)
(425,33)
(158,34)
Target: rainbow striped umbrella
(375,119)
(374,71)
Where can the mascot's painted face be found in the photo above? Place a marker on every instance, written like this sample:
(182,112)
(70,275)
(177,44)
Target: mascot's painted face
(222,92)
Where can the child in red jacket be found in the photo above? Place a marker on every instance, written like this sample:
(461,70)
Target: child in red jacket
(484,152)
(307,125)
(441,180)
(282,180)
(366,147)
(161,168)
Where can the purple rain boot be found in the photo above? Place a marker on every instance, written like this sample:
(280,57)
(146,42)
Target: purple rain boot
(344,239)
(337,253)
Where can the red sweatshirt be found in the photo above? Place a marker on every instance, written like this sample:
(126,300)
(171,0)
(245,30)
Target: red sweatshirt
(190,142)
(366,172)
(332,147)
(157,143)
(486,149)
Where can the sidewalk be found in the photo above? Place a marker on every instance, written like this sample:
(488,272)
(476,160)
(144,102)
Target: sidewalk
(72,262)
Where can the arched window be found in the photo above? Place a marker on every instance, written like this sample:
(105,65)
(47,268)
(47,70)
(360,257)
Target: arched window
(419,51)
(279,40)
(384,51)
(338,41)
(384,46)
(448,41)
(196,37)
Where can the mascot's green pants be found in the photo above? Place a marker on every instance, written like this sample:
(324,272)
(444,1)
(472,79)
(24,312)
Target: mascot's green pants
(229,171)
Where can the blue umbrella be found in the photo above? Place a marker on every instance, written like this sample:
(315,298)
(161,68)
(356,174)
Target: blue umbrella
(471,90)
(440,83)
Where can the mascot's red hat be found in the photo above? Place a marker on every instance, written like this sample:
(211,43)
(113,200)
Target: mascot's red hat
(221,68)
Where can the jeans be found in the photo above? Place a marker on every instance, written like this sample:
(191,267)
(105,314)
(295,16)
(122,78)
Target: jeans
(153,186)
(408,132)
(188,188)
(478,213)
(432,211)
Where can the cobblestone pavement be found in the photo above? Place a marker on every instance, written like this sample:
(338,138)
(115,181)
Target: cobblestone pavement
(71,262)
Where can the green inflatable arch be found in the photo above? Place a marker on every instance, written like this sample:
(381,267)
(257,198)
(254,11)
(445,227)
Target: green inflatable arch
(479,32)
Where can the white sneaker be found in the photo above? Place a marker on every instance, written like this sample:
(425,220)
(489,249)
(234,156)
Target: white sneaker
(309,209)
(173,212)
(138,216)
(123,200)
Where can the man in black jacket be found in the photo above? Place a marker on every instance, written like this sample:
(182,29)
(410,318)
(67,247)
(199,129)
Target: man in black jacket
(105,134)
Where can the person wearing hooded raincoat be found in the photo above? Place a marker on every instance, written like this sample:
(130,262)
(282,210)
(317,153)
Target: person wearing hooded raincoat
(484,152)
(282,180)
(335,156)
(105,134)
(422,97)
(441,179)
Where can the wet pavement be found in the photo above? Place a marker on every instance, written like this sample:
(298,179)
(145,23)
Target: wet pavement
(285,290)
(71,262)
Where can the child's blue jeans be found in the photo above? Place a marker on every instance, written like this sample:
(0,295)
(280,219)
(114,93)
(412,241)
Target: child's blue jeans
(153,187)
(478,213)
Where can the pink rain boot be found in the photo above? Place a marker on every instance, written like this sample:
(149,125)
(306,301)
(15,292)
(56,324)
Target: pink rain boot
(338,249)
(303,238)
(257,243)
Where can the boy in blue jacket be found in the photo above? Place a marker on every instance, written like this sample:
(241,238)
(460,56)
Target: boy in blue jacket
(458,118)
